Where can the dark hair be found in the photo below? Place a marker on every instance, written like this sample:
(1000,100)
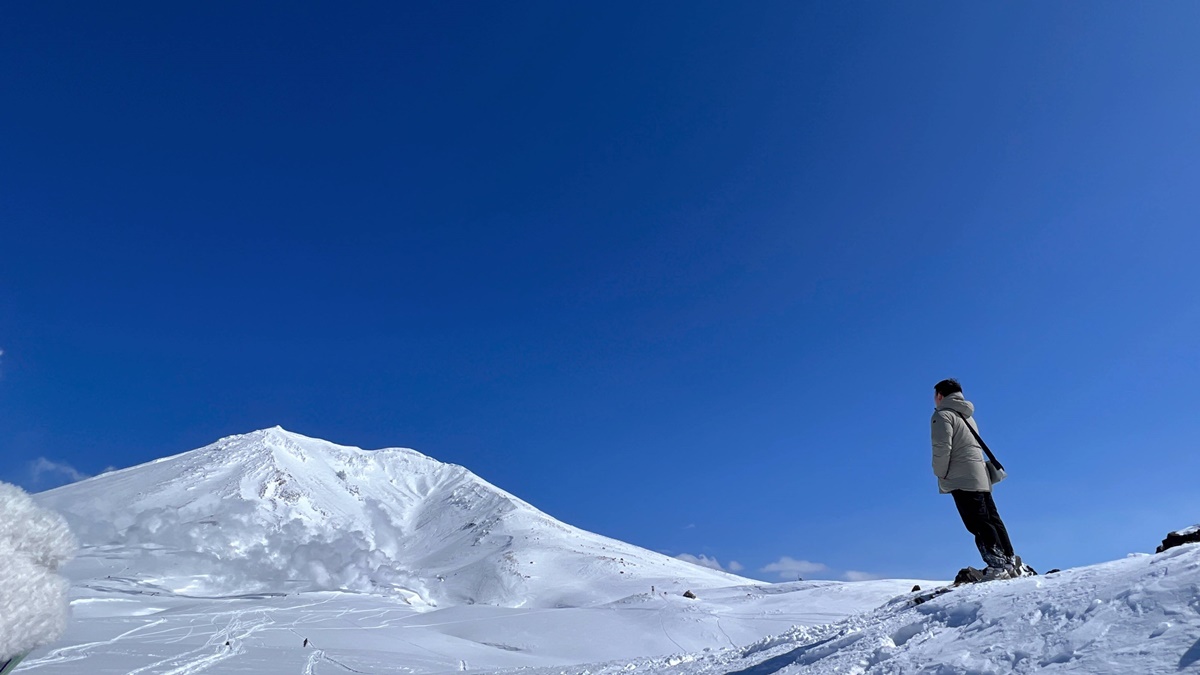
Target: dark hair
(947,387)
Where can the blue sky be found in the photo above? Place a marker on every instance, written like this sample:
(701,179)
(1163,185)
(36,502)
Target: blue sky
(681,274)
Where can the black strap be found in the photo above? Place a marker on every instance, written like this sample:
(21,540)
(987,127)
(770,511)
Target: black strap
(991,457)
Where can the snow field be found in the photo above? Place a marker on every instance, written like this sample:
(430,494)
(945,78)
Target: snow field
(225,559)
(1138,615)
(123,627)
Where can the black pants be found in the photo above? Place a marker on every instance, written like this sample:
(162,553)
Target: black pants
(979,514)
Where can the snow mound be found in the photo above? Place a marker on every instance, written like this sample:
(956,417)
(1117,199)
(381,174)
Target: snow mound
(277,512)
(34,542)
(1137,615)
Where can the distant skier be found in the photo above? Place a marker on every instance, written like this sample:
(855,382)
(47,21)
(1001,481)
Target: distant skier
(962,472)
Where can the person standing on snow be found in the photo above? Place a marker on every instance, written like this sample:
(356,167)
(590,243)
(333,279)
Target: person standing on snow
(961,470)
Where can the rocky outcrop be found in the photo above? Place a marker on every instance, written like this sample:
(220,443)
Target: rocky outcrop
(1188,535)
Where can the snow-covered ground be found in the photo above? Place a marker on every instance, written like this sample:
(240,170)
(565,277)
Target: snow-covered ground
(1140,615)
(120,626)
(227,559)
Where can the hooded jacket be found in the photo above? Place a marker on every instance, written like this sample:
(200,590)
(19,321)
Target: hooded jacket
(958,460)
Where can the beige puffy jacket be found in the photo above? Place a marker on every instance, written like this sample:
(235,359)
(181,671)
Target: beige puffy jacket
(958,460)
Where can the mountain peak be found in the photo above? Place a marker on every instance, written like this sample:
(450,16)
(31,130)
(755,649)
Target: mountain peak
(274,510)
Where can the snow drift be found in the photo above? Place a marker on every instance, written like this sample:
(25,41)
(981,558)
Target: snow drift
(34,542)
(275,511)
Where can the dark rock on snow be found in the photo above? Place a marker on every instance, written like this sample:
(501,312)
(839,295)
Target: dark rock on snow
(968,575)
(1188,535)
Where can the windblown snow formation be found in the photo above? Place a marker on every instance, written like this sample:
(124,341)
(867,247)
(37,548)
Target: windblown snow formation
(34,542)
(274,511)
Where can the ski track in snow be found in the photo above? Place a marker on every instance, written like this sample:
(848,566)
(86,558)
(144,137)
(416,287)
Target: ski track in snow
(214,651)
(310,668)
(319,656)
(81,651)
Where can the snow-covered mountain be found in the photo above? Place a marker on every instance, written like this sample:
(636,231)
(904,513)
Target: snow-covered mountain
(274,511)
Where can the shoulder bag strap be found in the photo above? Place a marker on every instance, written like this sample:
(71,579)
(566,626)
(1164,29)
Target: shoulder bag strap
(991,457)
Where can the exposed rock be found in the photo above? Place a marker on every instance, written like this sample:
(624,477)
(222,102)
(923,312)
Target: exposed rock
(916,588)
(968,575)
(1187,535)
(689,594)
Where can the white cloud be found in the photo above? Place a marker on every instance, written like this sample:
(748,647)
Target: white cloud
(42,466)
(711,563)
(852,575)
(790,568)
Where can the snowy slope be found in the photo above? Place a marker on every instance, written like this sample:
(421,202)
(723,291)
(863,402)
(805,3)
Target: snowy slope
(116,632)
(276,512)
(1137,615)
(227,558)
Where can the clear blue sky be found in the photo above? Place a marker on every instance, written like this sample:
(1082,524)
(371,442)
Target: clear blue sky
(683,274)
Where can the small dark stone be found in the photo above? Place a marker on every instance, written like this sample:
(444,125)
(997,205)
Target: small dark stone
(916,588)
(1189,535)
(968,575)
(690,595)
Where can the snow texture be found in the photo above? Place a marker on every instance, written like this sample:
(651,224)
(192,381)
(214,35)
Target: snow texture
(1137,615)
(274,511)
(273,553)
(34,542)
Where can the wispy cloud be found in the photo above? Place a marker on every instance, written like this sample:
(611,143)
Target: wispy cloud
(711,563)
(45,471)
(789,568)
(853,575)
